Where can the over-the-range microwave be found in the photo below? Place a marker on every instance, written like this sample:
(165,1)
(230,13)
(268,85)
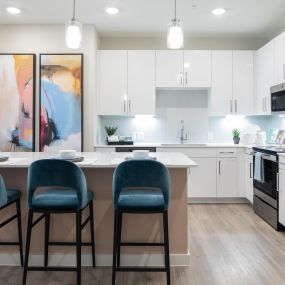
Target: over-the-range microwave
(278,98)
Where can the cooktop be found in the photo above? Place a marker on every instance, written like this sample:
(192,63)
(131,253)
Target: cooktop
(270,149)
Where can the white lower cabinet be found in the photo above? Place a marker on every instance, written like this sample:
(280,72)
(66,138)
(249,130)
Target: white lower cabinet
(202,179)
(227,177)
(249,178)
(281,212)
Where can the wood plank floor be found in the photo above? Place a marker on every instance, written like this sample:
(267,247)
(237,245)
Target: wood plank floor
(229,245)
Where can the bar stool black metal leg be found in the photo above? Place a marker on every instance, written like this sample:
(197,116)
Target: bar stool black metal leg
(47,226)
(92,232)
(120,218)
(115,248)
(78,246)
(166,246)
(19,218)
(28,242)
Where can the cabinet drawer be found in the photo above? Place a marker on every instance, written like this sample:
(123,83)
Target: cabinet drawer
(226,152)
(192,152)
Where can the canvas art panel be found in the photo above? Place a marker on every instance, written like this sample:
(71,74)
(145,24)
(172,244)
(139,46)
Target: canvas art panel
(61,102)
(17,94)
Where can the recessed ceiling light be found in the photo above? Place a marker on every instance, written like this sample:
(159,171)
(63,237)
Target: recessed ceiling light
(13,10)
(112,10)
(219,11)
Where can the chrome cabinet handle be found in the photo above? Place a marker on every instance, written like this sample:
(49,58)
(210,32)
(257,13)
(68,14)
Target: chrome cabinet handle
(129,105)
(181,78)
(186,77)
(219,167)
(265,105)
(277,177)
(226,152)
(231,105)
(236,105)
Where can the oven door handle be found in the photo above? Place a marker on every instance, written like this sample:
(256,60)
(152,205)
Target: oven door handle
(277,178)
(267,157)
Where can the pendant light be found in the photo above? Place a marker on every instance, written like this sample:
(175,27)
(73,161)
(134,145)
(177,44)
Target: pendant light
(175,37)
(73,32)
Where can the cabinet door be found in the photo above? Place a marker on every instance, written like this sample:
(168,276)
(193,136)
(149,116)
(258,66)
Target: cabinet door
(243,82)
(141,82)
(199,186)
(279,59)
(226,178)
(222,83)
(169,68)
(197,68)
(112,82)
(264,79)
(249,179)
(281,196)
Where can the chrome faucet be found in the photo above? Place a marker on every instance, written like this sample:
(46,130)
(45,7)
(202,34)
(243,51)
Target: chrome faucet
(182,138)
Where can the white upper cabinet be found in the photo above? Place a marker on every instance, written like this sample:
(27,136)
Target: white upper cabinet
(197,68)
(221,100)
(126,82)
(243,79)
(232,83)
(141,82)
(112,82)
(279,59)
(264,79)
(190,69)
(169,68)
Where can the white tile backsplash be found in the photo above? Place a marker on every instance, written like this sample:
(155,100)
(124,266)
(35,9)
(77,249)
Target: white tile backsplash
(192,108)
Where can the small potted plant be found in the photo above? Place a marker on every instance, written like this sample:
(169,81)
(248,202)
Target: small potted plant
(111,131)
(236,136)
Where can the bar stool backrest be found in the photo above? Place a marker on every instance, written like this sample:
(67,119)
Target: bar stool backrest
(3,193)
(141,173)
(56,173)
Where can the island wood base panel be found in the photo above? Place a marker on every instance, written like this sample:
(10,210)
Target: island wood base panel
(135,227)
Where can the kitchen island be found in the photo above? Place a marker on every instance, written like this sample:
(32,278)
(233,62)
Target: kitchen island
(98,168)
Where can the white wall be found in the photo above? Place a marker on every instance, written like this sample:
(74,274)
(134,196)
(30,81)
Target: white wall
(51,39)
(189,43)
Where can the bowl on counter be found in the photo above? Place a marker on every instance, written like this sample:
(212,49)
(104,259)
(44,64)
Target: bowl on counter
(140,154)
(67,153)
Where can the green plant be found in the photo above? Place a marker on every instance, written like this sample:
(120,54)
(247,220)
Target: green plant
(110,130)
(236,133)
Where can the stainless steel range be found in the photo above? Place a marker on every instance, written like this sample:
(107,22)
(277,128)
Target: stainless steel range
(265,199)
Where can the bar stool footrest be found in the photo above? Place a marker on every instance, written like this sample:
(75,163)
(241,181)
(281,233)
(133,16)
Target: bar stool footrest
(142,244)
(51,268)
(67,243)
(140,269)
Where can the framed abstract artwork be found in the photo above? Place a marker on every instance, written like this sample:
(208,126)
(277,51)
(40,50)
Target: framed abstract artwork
(17,102)
(61,102)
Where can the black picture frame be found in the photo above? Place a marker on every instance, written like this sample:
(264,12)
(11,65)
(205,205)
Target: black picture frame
(34,57)
(81,90)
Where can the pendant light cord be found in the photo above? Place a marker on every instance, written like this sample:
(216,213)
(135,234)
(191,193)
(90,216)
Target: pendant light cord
(74,9)
(175,9)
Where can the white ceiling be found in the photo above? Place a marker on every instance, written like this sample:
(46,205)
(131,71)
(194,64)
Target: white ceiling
(262,18)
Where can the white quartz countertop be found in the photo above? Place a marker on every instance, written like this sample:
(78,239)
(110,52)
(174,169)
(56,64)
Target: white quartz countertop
(174,145)
(96,159)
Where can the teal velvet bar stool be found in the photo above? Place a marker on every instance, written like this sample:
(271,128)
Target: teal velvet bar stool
(140,187)
(56,187)
(9,197)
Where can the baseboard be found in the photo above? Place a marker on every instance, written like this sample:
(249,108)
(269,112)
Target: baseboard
(217,201)
(7,259)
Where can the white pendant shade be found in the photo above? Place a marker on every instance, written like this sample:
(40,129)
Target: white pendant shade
(175,36)
(73,34)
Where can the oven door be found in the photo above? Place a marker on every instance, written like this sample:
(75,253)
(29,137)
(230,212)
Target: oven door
(278,98)
(269,187)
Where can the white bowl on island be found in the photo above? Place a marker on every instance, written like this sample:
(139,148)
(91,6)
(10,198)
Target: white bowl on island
(67,153)
(140,154)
